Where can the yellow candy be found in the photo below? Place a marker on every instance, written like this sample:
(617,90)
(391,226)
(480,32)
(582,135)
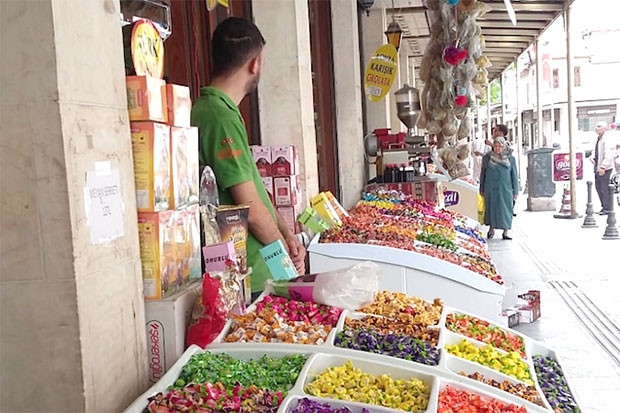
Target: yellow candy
(510,364)
(349,383)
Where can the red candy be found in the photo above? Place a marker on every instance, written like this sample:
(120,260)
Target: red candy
(453,400)
(305,312)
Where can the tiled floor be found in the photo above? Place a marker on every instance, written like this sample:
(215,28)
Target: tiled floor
(546,250)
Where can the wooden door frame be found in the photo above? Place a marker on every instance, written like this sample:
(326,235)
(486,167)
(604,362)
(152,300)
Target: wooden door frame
(321,45)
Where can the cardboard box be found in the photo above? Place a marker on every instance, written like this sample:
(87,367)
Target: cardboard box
(290,214)
(530,311)
(151,161)
(166,327)
(278,261)
(216,255)
(262,159)
(179,105)
(313,221)
(193,233)
(157,253)
(286,191)
(510,318)
(182,253)
(342,213)
(323,206)
(146,99)
(284,160)
(179,183)
(193,164)
(268,182)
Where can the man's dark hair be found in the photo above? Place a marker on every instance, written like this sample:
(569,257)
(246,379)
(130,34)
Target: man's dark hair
(234,42)
(504,129)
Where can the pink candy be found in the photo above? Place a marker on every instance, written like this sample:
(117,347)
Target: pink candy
(306,312)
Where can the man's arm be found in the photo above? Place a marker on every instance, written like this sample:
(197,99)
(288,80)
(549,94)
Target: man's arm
(260,223)
(296,250)
(608,154)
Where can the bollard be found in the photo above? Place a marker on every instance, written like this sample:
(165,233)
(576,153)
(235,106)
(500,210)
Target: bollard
(611,231)
(589,221)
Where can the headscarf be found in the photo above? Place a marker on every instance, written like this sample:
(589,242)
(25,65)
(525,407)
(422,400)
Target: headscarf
(504,157)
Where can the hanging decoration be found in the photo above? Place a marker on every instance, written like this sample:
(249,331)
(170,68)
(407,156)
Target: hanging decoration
(453,71)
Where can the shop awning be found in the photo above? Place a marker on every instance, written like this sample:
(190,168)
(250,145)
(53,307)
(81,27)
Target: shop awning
(504,42)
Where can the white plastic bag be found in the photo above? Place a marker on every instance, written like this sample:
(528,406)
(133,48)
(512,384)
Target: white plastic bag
(349,288)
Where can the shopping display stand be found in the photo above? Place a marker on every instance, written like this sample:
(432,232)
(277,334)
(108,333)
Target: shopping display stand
(415,274)
(459,196)
(446,373)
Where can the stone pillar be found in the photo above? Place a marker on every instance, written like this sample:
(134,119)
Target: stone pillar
(72,312)
(348,96)
(285,91)
(373,28)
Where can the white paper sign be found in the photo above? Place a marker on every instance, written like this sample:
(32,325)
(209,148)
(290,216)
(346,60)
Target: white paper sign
(104,205)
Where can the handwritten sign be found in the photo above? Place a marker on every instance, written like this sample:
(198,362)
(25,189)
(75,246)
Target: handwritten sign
(104,206)
(380,72)
(561,166)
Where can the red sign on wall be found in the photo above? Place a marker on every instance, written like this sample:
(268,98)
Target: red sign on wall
(561,166)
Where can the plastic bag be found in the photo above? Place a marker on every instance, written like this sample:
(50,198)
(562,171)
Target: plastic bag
(350,288)
(481,209)
(208,316)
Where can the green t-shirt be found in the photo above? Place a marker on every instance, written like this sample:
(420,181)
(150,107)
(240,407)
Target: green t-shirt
(224,146)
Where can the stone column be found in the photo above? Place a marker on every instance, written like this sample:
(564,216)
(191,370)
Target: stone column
(348,95)
(285,91)
(373,26)
(72,312)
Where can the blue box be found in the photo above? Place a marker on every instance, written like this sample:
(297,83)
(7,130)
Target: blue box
(278,261)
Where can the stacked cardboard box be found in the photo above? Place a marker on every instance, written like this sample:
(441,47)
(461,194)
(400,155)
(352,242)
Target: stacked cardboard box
(165,152)
(279,168)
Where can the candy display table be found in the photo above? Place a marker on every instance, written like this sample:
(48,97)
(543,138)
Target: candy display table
(320,373)
(415,274)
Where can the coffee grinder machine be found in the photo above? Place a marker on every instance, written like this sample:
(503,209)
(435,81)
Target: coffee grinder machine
(401,148)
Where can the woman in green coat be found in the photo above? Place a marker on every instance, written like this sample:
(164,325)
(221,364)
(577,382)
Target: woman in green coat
(499,186)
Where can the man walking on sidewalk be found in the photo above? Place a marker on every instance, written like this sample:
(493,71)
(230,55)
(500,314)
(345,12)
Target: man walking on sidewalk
(604,152)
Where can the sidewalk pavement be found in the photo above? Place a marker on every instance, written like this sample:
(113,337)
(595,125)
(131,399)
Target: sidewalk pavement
(578,274)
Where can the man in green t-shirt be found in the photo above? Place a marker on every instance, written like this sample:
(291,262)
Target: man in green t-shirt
(237,54)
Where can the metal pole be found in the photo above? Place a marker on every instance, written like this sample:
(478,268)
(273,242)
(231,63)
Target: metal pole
(489,111)
(518,129)
(539,121)
(479,118)
(501,87)
(572,115)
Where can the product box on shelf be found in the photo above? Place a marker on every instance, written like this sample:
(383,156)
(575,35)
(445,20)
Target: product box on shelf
(326,210)
(424,190)
(286,190)
(193,232)
(146,99)
(290,214)
(510,318)
(193,164)
(166,324)
(157,253)
(342,213)
(179,150)
(530,311)
(284,160)
(216,255)
(278,261)
(150,142)
(262,159)
(182,249)
(268,182)
(313,221)
(179,104)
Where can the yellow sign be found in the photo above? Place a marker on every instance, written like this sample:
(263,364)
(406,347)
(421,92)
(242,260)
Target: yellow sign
(212,4)
(380,72)
(147,50)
